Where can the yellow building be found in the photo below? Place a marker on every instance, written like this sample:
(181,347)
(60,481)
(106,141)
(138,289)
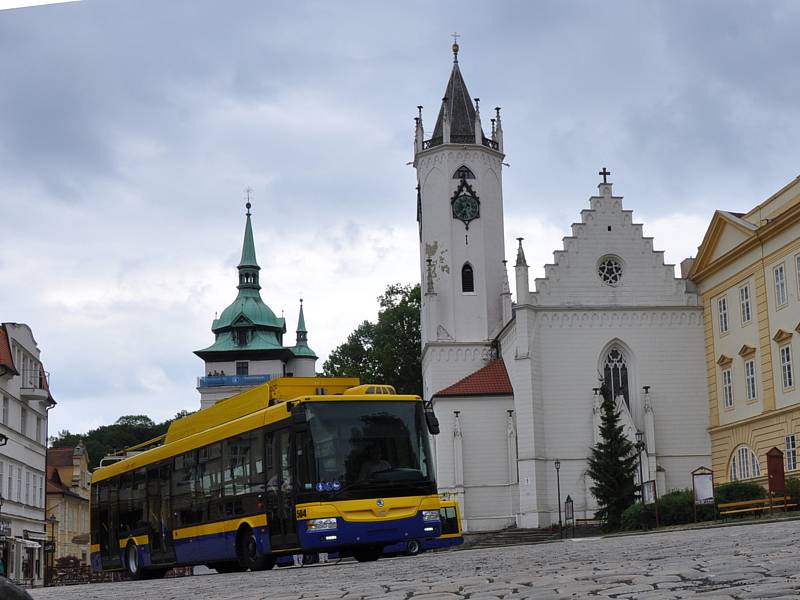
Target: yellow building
(747,271)
(68,501)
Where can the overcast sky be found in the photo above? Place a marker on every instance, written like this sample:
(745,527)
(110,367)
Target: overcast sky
(129,129)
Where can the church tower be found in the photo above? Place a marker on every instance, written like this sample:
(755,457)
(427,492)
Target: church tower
(460,217)
(248,345)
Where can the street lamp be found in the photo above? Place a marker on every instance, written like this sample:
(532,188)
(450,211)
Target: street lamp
(639,448)
(557,465)
(53,521)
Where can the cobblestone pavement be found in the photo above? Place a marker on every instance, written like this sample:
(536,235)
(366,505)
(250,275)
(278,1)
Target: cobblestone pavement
(746,561)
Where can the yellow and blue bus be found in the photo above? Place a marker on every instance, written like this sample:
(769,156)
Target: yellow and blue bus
(452,535)
(271,472)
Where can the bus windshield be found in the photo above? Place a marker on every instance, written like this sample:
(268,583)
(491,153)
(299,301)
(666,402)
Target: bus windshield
(363,449)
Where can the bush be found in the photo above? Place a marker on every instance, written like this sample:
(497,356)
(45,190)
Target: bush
(677,508)
(793,488)
(736,491)
(632,517)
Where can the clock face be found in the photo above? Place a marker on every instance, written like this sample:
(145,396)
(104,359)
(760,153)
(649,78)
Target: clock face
(466,208)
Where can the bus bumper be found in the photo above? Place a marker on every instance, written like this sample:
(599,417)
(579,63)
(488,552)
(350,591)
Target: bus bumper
(349,533)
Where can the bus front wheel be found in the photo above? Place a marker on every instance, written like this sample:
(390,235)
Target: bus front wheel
(412,548)
(368,554)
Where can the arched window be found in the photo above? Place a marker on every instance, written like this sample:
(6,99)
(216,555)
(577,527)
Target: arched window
(467,279)
(463,172)
(744,464)
(615,374)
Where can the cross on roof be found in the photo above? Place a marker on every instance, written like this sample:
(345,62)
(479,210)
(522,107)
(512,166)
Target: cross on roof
(248,190)
(455,37)
(605,173)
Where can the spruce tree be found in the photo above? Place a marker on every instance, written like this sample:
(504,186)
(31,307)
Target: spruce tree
(612,465)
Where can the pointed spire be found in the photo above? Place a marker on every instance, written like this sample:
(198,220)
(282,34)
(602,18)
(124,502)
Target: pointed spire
(248,246)
(520,255)
(457,108)
(301,323)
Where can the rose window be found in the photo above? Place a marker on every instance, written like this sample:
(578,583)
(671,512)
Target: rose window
(610,270)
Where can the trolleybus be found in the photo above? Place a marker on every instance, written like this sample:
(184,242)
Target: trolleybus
(296,465)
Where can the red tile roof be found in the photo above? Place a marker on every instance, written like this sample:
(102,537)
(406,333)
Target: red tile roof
(491,380)
(60,457)
(6,358)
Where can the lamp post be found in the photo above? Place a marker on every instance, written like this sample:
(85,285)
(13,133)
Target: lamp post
(557,465)
(639,448)
(52,559)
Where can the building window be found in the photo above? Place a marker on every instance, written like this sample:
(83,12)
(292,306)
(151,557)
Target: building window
(780,285)
(241,337)
(467,279)
(791,452)
(10,480)
(23,421)
(722,305)
(19,484)
(39,430)
(750,379)
(744,464)
(615,374)
(727,388)
(5,410)
(242,368)
(744,299)
(2,478)
(610,270)
(28,488)
(463,173)
(786,367)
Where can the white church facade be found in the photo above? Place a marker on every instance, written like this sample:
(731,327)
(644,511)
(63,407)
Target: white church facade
(515,383)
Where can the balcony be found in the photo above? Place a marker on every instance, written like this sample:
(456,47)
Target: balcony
(234,380)
(35,385)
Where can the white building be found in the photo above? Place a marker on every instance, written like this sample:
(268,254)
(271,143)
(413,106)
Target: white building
(515,384)
(248,345)
(25,398)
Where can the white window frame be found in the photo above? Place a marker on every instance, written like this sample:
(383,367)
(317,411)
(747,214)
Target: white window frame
(27,487)
(750,379)
(722,313)
(780,285)
(744,464)
(23,421)
(727,388)
(10,481)
(744,303)
(787,372)
(791,452)
(19,484)
(2,477)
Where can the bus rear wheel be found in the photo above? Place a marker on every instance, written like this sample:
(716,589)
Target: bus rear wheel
(247,552)
(368,554)
(132,564)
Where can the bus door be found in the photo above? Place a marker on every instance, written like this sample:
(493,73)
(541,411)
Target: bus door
(280,498)
(108,524)
(159,510)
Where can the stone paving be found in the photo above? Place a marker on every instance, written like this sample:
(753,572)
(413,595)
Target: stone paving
(743,561)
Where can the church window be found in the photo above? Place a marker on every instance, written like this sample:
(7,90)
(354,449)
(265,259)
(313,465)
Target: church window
(791,452)
(744,298)
(467,279)
(722,305)
(242,368)
(463,173)
(241,337)
(727,388)
(744,464)
(750,379)
(780,285)
(610,270)
(615,374)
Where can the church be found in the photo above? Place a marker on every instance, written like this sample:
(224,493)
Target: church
(515,381)
(248,345)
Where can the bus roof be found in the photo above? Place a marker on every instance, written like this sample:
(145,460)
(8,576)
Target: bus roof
(197,436)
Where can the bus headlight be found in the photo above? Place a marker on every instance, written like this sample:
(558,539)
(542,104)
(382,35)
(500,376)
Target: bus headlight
(430,515)
(321,524)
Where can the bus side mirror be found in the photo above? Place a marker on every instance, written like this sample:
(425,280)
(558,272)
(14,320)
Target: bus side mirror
(432,422)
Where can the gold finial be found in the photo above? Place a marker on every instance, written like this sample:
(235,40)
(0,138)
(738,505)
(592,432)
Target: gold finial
(455,46)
